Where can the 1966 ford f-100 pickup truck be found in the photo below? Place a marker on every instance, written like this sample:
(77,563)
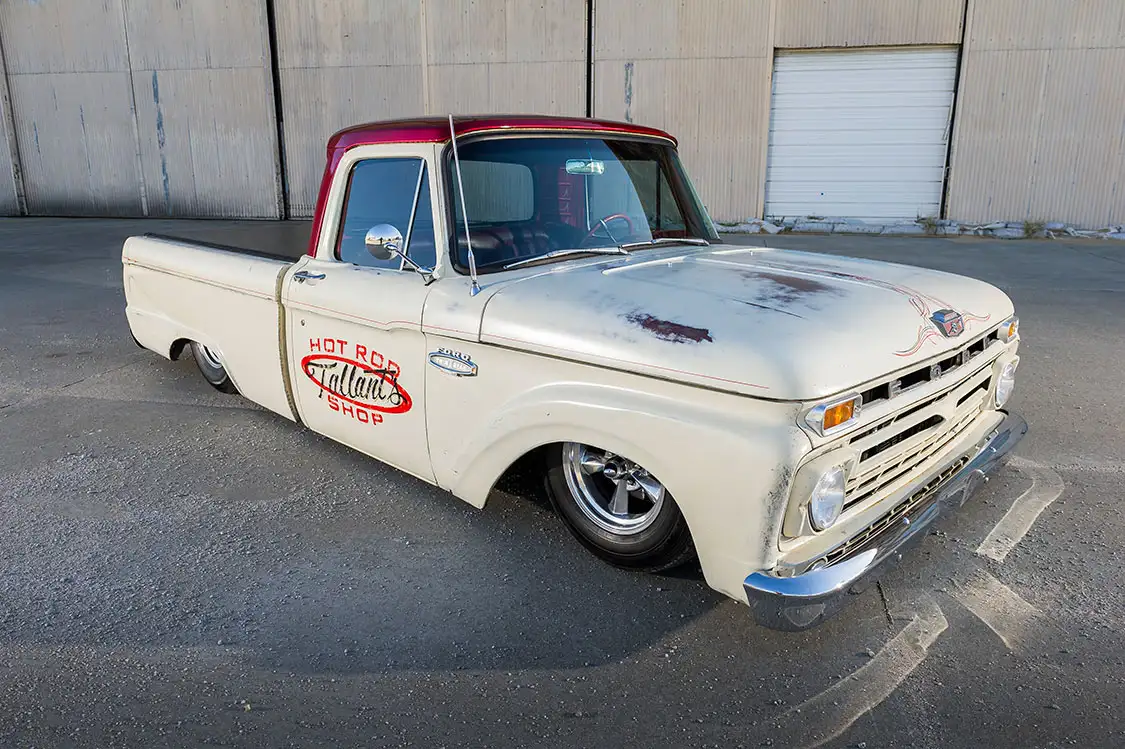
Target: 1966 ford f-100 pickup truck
(481,289)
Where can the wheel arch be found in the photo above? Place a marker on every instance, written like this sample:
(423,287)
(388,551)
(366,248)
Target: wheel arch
(176,350)
(725,459)
(476,484)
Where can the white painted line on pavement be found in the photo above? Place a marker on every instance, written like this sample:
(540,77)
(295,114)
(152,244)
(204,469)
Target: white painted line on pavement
(832,712)
(1046,486)
(998,606)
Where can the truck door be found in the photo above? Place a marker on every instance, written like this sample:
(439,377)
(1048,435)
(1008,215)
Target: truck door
(355,344)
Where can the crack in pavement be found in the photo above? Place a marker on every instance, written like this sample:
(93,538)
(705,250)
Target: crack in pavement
(99,386)
(35,395)
(134,359)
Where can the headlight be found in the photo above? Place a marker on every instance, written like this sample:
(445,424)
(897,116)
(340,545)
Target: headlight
(1009,329)
(816,495)
(1006,382)
(827,499)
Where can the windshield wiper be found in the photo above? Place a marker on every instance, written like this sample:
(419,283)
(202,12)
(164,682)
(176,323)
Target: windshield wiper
(621,249)
(665,240)
(563,253)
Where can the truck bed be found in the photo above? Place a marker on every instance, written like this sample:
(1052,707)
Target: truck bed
(223,296)
(237,249)
(281,240)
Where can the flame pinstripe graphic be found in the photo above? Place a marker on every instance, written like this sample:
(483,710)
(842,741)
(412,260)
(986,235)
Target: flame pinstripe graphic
(924,304)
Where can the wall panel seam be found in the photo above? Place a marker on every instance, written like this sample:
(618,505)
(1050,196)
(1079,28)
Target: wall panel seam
(763,167)
(955,110)
(10,137)
(133,111)
(273,97)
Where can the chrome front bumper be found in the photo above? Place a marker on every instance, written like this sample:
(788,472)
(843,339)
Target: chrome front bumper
(803,601)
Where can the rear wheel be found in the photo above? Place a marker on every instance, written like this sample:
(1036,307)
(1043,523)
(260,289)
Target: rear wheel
(617,509)
(211,367)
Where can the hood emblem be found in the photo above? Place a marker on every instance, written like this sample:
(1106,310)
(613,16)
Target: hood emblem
(949,323)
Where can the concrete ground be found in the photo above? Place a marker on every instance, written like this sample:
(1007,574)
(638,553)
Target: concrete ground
(182,568)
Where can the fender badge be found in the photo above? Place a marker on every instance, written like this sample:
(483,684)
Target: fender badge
(949,323)
(454,363)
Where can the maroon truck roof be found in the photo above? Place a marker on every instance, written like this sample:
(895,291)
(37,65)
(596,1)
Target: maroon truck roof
(436,130)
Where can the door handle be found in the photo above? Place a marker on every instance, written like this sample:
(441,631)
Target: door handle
(303,275)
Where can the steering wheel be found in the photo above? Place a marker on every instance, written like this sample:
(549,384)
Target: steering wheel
(603,222)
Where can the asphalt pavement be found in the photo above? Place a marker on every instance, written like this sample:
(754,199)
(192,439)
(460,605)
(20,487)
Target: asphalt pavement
(182,568)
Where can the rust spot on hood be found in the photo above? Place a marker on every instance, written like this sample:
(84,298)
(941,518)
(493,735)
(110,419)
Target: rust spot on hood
(666,330)
(782,289)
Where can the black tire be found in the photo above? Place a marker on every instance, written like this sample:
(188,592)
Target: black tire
(664,544)
(212,368)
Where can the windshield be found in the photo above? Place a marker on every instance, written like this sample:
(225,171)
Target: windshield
(528,197)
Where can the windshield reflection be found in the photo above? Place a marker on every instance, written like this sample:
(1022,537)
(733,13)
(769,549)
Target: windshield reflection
(531,198)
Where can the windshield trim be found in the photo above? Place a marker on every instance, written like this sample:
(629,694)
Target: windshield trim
(677,176)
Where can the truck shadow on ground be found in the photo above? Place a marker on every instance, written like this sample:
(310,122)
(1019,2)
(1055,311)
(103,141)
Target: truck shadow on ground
(207,526)
(441,586)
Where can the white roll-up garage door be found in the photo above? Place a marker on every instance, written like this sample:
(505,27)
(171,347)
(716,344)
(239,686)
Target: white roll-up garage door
(860,134)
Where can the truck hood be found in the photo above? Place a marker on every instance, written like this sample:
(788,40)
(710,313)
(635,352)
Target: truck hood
(771,323)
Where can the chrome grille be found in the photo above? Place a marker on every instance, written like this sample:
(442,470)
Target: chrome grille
(893,449)
(903,382)
(901,510)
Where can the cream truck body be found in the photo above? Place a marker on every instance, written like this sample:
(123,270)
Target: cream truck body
(706,365)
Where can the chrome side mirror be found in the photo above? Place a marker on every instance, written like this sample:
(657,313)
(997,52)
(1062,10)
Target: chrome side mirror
(383,241)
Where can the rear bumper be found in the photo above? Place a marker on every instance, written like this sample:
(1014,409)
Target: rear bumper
(803,601)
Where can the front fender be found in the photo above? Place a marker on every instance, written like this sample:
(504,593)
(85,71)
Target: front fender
(727,459)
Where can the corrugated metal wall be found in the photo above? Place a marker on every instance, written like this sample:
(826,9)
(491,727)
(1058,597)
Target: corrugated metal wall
(150,107)
(700,70)
(511,56)
(358,60)
(341,63)
(867,23)
(205,112)
(1040,131)
(68,73)
(167,107)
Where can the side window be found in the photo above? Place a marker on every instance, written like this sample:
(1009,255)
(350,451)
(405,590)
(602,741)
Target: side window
(384,191)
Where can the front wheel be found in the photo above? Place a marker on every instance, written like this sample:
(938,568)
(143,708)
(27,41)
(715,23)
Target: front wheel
(211,367)
(617,509)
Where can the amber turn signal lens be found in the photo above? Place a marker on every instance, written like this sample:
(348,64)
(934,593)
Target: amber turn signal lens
(825,417)
(838,414)
(1009,329)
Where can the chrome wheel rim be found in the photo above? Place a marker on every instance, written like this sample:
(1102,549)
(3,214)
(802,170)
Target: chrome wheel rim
(211,357)
(615,493)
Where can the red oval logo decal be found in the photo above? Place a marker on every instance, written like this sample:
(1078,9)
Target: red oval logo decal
(358,383)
